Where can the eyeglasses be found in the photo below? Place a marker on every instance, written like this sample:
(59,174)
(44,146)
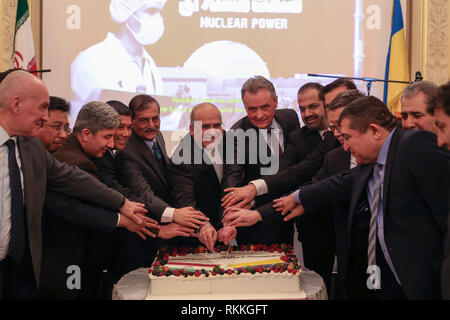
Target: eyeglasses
(59,127)
(335,128)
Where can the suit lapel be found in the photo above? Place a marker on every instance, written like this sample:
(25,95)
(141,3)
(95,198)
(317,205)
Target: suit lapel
(359,186)
(148,156)
(282,124)
(388,169)
(162,147)
(27,170)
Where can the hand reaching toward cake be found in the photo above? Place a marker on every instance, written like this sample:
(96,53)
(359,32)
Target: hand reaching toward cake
(208,236)
(239,197)
(147,226)
(287,205)
(189,217)
(226,234)
(173,230)
(238,217)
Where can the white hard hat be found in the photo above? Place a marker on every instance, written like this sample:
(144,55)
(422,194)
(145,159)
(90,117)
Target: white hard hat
(121,10)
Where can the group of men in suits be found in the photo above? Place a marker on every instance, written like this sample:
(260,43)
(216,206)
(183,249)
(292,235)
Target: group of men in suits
(375,196)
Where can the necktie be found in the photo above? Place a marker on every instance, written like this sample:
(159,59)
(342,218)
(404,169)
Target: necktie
(17,241)
(158,156)
(374,212)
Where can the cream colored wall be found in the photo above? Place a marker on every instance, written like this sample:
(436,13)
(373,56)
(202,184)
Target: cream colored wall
(430,39)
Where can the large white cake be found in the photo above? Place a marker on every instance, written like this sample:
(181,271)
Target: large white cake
(252,271)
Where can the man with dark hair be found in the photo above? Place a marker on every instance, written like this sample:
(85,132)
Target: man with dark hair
(414,101)
(400,177)
(261,125)
(332,218)
(142,167)
(65,219)
(92,135)
(339,85)
(107,174)
(24,103)
(439,106)
(56,130)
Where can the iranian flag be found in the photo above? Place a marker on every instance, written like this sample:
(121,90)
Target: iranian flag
(24,56)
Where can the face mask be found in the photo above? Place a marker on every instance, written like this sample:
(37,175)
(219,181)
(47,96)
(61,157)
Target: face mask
(152,28)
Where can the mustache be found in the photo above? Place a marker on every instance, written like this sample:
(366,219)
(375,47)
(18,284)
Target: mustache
(311,118)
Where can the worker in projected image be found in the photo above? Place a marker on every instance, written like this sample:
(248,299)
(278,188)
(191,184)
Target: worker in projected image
(121,62)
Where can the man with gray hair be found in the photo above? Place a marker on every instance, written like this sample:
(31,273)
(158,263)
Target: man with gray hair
(414,106)
(93,133)
(120,62)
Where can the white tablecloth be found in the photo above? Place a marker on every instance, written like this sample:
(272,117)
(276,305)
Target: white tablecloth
(134,285)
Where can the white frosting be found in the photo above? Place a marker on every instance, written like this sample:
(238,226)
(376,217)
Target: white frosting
(272,282)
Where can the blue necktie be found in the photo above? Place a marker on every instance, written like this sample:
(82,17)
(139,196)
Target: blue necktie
(17,241)
(374,213)
(158,156)
(156,151)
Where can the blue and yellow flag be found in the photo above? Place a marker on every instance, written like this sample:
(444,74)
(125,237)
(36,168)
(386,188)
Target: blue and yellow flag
(397,62)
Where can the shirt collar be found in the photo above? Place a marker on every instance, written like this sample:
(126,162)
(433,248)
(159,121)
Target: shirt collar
(149,143)
(4,136)
(275,125)
(382,155)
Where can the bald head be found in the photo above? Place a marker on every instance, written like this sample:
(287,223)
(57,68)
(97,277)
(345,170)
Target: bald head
(204,109)
(20,83)
(206,122)
(24,103)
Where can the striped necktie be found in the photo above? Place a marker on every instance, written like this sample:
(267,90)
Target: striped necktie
(371,253)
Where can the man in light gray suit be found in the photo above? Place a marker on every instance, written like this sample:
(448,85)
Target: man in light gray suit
(26,170)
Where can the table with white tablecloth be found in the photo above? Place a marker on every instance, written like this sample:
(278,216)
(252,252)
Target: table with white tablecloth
(134,285)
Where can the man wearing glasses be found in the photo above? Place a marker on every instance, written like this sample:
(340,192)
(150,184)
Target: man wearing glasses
(56,130)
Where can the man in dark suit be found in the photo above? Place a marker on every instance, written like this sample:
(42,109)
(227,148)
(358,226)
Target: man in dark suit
(93,133)
(196,171)
(300,145)
(23,109)
(267,130)
(318,248)
(62,241)
(439,107)
(142,167)
(394,249)
(107,174)
(331,220)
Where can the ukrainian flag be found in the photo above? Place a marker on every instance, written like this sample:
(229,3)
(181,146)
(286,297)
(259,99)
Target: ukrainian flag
(397,62)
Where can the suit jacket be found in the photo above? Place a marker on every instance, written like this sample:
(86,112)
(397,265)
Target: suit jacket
(414,205)
(196,185)
(237,174)
(138,170)
(106,169)
(41,171)
(67,224)
(332,220)
(296,173)
(446,265)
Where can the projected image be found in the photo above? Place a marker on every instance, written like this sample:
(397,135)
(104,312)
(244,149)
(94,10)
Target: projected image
(184,52)
(121,62)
